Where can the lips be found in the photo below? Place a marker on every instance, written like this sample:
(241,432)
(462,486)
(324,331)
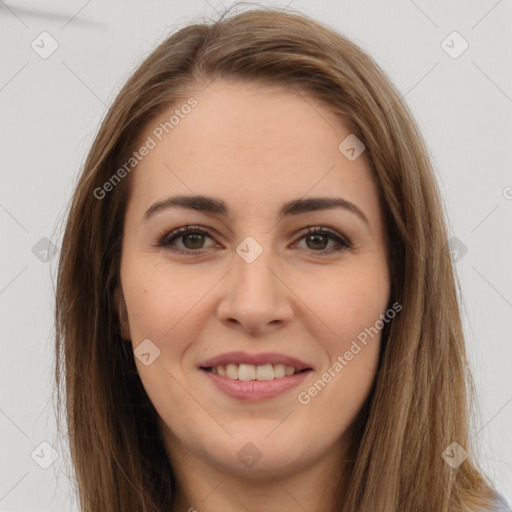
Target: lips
(261,359)
(255,377)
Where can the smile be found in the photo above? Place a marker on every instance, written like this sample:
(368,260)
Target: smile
(254,377)
(252,372)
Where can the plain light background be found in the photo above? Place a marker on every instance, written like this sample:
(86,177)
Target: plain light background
(50,109)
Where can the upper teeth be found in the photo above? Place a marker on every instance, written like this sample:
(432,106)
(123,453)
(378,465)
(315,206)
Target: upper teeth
(252,372)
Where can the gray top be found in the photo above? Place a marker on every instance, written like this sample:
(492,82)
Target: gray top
(500,505)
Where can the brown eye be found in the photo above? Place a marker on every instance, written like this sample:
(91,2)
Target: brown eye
(317,242)
(193,241)
(190,239)
(186,239)
(318,239)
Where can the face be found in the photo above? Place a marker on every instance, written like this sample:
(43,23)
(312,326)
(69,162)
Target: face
(247,309)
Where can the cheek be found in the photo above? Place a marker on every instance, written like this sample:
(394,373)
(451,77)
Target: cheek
(160,297)
(348,328)
(344,303)
(352,307)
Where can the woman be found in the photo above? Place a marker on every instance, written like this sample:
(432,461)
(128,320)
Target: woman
(256,307)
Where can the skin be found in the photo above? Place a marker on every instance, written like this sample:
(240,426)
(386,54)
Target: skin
(255,147)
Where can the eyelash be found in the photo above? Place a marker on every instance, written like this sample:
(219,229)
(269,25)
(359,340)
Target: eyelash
(169,237)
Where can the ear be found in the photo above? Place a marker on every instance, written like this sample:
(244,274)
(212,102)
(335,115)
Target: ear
(122,314)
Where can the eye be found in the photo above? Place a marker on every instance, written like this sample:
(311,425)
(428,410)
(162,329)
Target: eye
(318,237)
(192,239)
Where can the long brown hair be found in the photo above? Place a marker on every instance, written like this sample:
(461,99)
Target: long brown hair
(420,400)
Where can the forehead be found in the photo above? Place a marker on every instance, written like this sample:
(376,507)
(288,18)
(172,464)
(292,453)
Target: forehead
(250,143)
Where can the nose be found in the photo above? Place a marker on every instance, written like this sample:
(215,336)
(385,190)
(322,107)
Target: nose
(255,297)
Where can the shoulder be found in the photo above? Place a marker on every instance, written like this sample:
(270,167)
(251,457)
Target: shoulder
(500,505)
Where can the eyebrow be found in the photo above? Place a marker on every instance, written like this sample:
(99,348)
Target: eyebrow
(214,206)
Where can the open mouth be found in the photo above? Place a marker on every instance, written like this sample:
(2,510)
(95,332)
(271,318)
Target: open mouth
(255,377)
(248,372)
